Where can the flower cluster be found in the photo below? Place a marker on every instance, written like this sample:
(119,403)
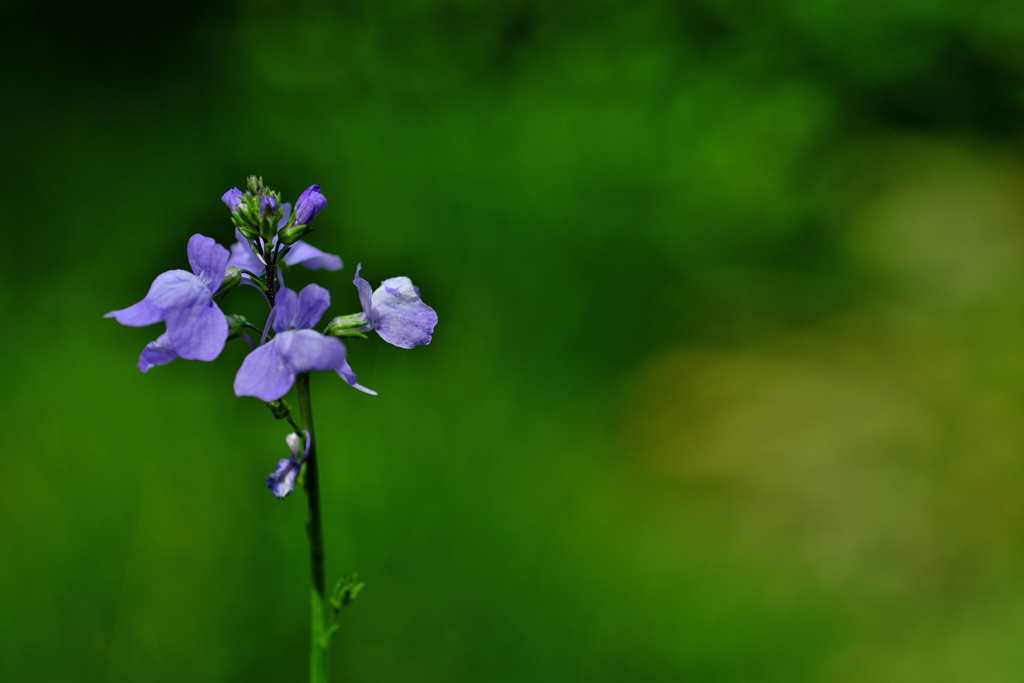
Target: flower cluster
(268,241)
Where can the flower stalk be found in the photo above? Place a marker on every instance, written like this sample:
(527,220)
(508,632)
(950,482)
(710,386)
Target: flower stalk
(314,528)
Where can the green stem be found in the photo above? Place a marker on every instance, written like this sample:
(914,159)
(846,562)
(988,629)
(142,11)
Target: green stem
(314,527)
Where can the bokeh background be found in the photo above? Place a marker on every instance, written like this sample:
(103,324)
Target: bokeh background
(728,380)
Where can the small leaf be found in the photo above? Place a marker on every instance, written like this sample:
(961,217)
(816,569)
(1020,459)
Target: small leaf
(328,634)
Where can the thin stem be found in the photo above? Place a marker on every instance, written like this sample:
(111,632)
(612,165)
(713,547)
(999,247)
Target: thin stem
(314,528)
(270,284)
(269,266)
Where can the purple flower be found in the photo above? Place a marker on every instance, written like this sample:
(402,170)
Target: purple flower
(269,372)
(233,198)
(282,480)
(308,205)
(396,311)
(196,328)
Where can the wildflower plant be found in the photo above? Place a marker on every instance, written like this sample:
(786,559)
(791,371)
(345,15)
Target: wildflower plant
(284,349)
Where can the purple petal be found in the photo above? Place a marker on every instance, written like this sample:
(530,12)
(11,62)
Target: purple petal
(197,331)
(232,198)
(264,374)
(286,310)
(399,316)
(242,257)
(282,480)
(170,289)
(268,206)
(308,205)
(208,260)
(345,372)
(306,350)
(300,311)
(365,292)
(313,301)
(159,352)
(286,211)
(309,256)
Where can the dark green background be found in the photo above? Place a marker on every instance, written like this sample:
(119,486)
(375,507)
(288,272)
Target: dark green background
(728,379)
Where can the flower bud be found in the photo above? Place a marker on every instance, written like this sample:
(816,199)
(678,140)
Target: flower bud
(232,277)
(348,326)
(308,205)
(248,232)
(236,325)
(293,233)
(280,408)
(233,198)
(269,206)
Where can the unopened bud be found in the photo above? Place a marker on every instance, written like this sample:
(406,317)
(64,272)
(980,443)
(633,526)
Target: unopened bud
(232,277)
(236,325)
(280,408)
(269,206)
(348,326)
(293,233)
(248,232)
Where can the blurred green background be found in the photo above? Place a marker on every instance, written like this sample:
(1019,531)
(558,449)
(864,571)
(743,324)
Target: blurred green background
(728,379)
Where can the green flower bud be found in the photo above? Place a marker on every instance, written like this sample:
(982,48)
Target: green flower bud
(291,234)
(232,278)
(280,408)
(236,326)
(347,326)
(248,232)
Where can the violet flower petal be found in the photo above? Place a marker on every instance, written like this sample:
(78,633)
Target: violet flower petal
(242,257)
(168,290)
(346,373)
(286,309)
(303,253)
(313,301)
(400,316)
(264,374)
(365,293)
(300,311)
(308,205)
(269,372)
(197,331)
(286,211)
(268,206)
(159,352)
(232,198)
(282,480)
(208,260)
(306,350)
